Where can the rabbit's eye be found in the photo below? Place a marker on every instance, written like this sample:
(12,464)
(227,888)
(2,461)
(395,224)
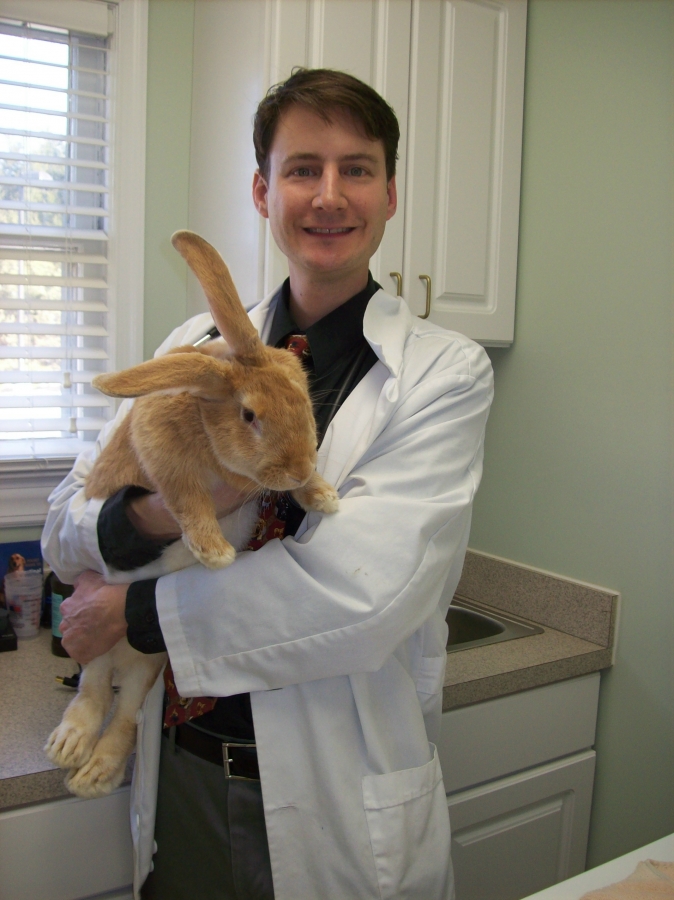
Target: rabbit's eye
(248,415)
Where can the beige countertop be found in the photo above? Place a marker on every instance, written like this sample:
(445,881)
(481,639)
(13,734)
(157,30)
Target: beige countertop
(578,621)
(579,624)
(32,705)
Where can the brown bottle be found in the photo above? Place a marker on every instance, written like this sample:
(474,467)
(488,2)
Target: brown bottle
(59,592)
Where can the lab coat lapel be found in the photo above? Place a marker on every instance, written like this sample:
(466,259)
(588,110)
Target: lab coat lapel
(366,410)
(364,413)
(351,431)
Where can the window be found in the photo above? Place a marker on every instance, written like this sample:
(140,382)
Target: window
(72,154)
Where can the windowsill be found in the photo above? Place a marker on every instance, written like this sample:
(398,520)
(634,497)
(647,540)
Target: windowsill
(26,484)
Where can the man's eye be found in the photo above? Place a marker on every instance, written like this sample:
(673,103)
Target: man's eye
(303,172)
(357,171)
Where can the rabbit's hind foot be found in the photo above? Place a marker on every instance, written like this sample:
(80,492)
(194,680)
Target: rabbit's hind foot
(98,777)
(70,746)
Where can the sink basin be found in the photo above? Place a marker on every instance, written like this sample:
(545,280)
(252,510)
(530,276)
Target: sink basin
(469,626)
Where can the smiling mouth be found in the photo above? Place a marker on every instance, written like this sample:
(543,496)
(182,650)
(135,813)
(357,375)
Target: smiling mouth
(329,231)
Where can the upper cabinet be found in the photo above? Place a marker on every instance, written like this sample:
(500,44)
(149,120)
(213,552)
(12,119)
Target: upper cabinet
(453,70)
(464,150)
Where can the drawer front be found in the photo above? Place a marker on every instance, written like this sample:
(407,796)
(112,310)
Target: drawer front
(498,737)
(66,849)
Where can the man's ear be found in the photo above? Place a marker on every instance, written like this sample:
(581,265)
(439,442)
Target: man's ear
(392,192)
(260,192)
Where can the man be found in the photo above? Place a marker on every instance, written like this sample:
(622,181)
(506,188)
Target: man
(327,647)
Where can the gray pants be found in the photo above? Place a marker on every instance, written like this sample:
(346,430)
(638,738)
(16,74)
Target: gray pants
(210,833)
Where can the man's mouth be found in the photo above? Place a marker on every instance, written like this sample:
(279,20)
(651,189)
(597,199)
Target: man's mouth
(329,231)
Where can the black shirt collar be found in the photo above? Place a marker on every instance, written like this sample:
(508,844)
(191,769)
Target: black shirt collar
(333,336)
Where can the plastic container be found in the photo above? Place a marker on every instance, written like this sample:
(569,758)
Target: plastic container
(23,595)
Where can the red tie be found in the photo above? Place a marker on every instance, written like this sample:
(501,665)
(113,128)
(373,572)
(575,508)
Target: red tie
(271,524)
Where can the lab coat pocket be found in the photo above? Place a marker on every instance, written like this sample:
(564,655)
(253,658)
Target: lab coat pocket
(408,822)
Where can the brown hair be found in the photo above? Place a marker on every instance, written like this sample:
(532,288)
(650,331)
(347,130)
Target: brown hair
(325,91)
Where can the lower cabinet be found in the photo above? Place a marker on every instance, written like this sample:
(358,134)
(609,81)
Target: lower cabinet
(67,849)
(518,835)
(519,771)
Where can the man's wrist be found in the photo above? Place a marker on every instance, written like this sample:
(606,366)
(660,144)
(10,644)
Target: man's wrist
(151,519)
(143,631)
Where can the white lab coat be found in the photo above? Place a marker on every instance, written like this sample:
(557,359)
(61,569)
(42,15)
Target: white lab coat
(339,632)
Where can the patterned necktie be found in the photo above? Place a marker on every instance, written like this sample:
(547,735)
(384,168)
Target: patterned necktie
(271,523)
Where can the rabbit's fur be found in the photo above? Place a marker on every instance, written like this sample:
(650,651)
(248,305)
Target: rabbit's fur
(233,410)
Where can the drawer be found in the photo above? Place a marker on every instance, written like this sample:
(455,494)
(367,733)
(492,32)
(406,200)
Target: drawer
(508,734)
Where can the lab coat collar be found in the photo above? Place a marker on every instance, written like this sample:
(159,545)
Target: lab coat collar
(386,325)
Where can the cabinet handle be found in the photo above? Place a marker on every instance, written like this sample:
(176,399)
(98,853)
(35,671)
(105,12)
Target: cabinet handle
(427,279)
(399,283)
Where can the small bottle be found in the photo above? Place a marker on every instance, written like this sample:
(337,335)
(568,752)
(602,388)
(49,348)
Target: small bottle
(45,617)
(59,592)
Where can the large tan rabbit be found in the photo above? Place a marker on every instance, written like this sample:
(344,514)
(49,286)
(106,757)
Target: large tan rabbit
(233,410)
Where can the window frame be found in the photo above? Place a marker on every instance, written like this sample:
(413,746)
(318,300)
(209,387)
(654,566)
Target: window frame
(27,482)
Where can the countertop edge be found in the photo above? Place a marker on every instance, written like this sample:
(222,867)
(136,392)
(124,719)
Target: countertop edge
(522,679)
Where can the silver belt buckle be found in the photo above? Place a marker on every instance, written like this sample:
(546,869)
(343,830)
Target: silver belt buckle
(226,760)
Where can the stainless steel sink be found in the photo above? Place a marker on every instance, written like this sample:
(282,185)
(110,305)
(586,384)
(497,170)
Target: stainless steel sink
(470,626)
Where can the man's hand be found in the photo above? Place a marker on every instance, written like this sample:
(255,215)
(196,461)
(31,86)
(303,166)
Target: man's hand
(93,618)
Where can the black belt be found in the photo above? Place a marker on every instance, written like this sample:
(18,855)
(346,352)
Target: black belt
(238,760)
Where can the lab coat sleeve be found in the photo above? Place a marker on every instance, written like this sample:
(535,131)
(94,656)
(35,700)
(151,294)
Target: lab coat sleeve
(342,597)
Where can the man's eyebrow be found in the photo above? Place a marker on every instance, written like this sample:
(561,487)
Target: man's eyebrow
(350,157)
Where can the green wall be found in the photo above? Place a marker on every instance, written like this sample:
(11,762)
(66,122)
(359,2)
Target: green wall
(578,469)
(169,102)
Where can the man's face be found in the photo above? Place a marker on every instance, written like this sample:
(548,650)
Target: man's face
(327,198)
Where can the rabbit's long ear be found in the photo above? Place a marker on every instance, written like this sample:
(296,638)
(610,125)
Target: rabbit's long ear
(193,372)
(226,307)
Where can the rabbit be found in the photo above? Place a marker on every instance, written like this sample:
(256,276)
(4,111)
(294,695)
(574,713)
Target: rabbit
(232,410)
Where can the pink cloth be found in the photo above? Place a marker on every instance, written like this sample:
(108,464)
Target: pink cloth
(650,879)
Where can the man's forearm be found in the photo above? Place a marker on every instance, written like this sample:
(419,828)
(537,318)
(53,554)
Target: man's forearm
(151,519)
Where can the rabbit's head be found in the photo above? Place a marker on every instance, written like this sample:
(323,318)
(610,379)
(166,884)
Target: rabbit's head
(253,399)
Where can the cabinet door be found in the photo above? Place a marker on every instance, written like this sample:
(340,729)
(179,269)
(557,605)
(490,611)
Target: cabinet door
(518,835)
(67,849)
(463,163)
(369,39)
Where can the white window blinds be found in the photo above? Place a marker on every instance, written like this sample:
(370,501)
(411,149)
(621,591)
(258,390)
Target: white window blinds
(55,209)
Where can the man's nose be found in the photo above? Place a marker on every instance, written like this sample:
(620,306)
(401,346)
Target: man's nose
(330,194)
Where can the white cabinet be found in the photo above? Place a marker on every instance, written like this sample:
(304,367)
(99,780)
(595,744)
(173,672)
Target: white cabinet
(453,70)
(463,164)
(518,835)
(67,849)
(519,772)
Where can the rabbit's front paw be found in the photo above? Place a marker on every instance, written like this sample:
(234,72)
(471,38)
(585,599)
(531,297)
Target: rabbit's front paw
(70,746)
(213,554)
(99,777)
(317,495)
